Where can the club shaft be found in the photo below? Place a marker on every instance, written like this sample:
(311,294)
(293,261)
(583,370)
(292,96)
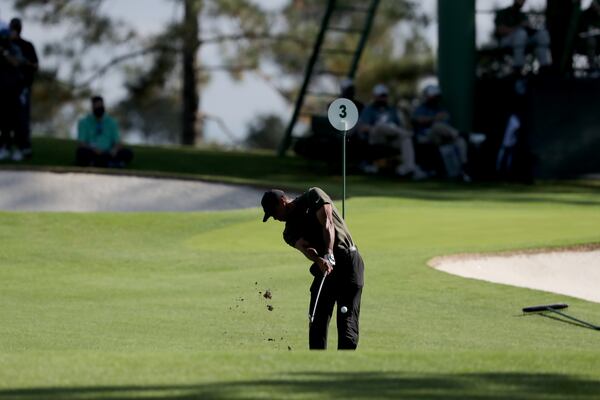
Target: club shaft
(312,315)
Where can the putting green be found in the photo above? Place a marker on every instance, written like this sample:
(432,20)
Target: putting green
(96,306)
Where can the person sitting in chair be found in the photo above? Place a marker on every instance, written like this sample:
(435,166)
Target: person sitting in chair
(382,125)
(432,126)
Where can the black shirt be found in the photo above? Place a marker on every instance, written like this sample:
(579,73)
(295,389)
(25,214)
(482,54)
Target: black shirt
(11,78)
(302,222)
(29,54)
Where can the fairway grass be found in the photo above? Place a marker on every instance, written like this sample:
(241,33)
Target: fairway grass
(169,305)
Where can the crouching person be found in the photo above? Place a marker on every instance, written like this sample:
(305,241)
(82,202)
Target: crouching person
(99,140)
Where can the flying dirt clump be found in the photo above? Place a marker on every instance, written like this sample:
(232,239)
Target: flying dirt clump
(268,295)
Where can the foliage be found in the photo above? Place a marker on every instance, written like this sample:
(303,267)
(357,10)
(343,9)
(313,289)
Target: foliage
(390,56)
(152,64)
(265,132)
(247,38)
(49,115)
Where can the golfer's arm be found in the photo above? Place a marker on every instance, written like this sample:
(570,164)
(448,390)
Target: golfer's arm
(325,217)
(309,252)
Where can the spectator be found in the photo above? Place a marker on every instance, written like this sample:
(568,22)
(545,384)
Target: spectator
(10,87)
(589,32)
(514,31)
(355,141)
(382,125)
(99,141)
(27,67)
(432,126)
(348,91)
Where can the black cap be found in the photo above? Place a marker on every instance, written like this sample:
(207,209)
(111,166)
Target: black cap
(269,202)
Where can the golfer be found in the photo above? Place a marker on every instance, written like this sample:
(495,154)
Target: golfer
(314,227)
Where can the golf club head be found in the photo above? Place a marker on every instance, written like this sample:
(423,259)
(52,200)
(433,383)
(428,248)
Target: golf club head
(557,306)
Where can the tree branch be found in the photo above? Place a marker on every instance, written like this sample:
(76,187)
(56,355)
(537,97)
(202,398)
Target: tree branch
(252,36)
(213,40)
(221,123)
(227,68)
(122,58)
(278,89)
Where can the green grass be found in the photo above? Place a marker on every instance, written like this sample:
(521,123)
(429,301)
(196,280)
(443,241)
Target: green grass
(255,168)
(149,305)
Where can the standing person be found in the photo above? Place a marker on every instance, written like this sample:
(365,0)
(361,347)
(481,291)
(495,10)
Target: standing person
(99,139)
(314,227)
(28,68)
(10,89)
(514,31)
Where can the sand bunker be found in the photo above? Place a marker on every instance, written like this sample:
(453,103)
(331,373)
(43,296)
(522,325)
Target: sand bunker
(572,272)
(47,191)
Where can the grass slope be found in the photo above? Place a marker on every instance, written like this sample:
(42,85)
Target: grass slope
(146,306)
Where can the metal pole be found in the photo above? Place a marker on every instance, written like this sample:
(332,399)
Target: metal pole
(344,176)
(364,37)
(287,138)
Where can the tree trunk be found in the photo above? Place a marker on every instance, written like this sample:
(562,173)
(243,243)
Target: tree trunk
(191,128)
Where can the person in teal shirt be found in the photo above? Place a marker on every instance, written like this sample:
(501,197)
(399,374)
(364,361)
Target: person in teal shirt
(99,139)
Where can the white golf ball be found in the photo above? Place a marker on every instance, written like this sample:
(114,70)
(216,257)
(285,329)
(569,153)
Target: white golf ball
(344,310)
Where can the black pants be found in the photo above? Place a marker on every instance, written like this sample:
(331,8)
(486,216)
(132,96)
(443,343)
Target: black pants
(9,118)
(24,123)
(87,157)
(344,287)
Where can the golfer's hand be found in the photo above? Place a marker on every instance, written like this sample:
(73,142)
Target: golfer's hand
(324,266)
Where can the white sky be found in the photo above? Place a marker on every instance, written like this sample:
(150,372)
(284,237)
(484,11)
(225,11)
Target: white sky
(236,103)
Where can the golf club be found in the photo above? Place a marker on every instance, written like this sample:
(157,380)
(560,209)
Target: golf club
(554,309)
(312,315)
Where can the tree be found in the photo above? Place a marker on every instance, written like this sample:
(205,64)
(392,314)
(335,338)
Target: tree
(265,132)
(165,74)
(173,52)
(396,52)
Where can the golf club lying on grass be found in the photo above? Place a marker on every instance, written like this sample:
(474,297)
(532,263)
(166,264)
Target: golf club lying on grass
(554,309)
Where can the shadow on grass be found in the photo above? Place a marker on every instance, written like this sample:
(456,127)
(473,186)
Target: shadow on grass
(574,323)
(392,385)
